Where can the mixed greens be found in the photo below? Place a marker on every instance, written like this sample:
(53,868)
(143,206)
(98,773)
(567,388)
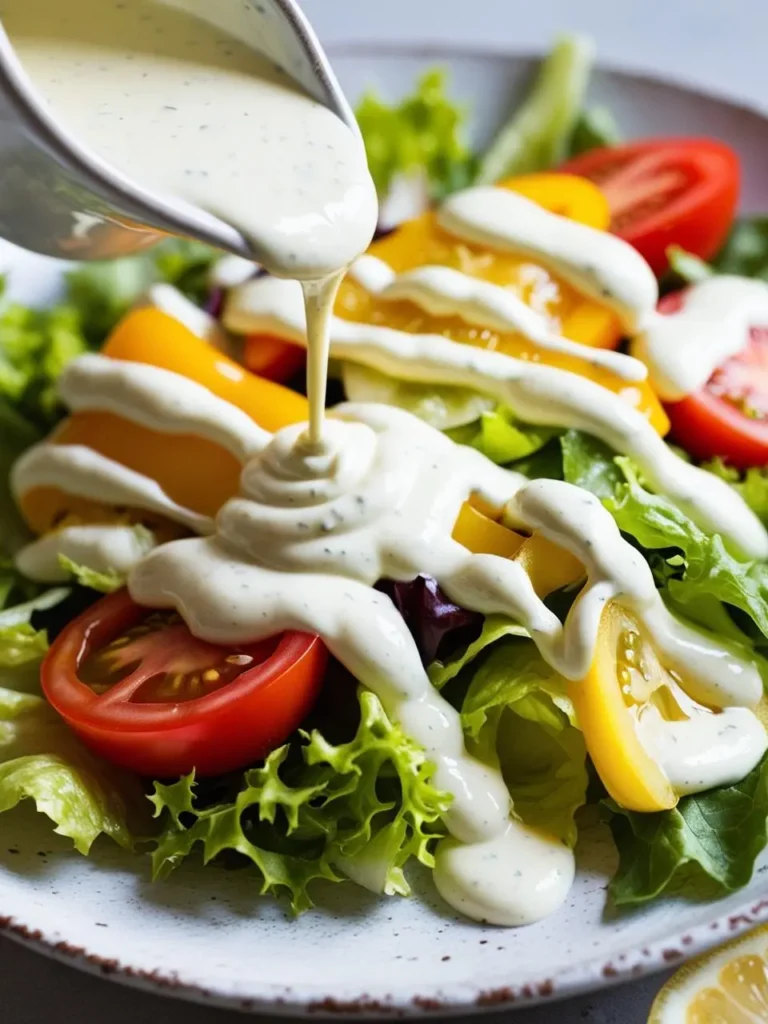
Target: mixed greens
(350,795)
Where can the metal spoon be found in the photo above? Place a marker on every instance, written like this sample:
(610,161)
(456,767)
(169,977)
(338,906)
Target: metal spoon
(56,199)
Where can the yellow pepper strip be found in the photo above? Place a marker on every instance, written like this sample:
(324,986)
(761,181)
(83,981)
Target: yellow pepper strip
(422,242)
(194,472)
(606,710)
(485,536)
(548,566)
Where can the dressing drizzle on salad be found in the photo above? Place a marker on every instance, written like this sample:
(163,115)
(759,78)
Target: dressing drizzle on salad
(327,510)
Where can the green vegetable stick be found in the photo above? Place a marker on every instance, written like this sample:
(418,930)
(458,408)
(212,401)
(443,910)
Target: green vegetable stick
(539,133)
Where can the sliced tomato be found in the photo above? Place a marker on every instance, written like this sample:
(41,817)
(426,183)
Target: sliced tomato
(728,417)
(141,691)
(666,192)
(273,358)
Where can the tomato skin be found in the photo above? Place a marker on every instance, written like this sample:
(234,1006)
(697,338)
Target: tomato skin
(273,358)
(215,733)
(707,425)
(666,192)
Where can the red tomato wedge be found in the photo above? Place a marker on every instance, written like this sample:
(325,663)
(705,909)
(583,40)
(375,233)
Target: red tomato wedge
(728,417)
(140,690)
(666,192)
(273,358)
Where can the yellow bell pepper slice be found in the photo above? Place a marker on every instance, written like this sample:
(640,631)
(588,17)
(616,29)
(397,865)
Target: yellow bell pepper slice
(421,241)
(483,535)
(548,566)
(607,702)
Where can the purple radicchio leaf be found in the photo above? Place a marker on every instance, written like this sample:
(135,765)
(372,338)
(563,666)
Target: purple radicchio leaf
(437,624)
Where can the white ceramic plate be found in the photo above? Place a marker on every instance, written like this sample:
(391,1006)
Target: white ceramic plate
(206,935)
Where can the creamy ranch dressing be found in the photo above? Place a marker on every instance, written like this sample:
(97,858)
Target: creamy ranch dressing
(312,532)
(103,548)
(683,349)
(326,511)
(538,394)
(176,104)
(597,263)
(314,529)
(443,291)
(181,107)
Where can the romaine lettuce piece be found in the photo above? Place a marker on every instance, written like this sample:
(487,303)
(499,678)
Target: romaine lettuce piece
(705,848)
(41,760)
(694,565)
(441,407)
(502,438)
(752,485)
(104,582)
(518,716)
(595,128)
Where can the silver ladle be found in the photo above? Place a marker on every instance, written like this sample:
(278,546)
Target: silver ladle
(58,199)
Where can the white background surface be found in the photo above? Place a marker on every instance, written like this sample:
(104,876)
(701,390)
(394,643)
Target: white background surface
(718,44)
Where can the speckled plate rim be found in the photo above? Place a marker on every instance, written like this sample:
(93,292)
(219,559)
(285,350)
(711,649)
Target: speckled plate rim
(587,976)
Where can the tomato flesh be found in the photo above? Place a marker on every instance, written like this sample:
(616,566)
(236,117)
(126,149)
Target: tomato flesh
(273,358)
(142,692)
(728,417)
(665,192)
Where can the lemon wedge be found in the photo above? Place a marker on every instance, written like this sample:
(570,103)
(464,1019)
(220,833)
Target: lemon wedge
(728,986)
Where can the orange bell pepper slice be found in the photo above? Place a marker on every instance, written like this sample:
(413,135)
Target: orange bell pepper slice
(193,472)
(201,475)
(421,241)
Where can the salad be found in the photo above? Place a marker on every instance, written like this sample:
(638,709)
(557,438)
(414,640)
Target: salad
(503,342)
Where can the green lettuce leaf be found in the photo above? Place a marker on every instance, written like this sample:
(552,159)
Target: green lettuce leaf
(40,757)
(495,627)
(596,127)
(360,809)
(441,407)
(41,760)
(502,438)
(693,565)
(685,268)
(20,642)
(752,485)
(517,715)
(102,292)
(746,249)
(745,253)
(468,417)
(35,346)
(104,582)
(705,847)
(538,135)
(422,133)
